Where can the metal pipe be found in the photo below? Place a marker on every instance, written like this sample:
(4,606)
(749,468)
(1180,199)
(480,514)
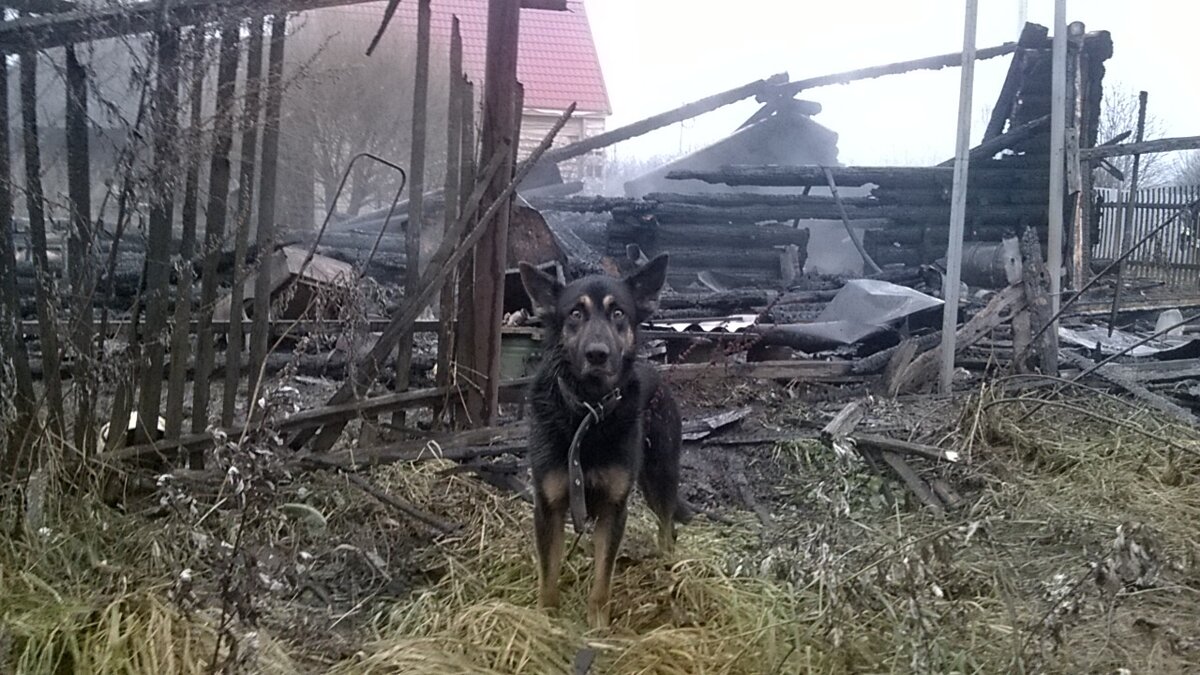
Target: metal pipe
(958,200)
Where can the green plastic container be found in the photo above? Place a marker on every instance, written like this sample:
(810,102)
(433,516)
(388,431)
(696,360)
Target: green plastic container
(519,356)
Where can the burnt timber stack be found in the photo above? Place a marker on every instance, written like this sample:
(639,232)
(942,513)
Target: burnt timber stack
(736,217)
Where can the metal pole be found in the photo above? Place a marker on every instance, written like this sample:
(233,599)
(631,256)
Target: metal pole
(958,200)
(1058,130)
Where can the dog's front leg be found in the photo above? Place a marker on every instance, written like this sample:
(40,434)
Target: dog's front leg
(610,512)
(549,517)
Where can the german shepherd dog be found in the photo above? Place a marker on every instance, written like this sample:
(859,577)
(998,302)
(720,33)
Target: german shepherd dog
(591,392)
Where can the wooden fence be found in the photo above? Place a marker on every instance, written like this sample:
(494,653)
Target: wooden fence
(1172,255)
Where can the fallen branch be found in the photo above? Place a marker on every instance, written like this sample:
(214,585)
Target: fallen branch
(884,444)
(404,506)
(914,482)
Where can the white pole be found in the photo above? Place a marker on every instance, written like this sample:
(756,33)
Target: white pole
(958,200)
(1022,15)
(1058,132)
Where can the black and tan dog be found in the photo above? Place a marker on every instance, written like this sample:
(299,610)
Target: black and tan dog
(602,421)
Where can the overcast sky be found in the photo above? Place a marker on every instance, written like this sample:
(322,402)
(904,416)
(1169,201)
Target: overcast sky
(658,54)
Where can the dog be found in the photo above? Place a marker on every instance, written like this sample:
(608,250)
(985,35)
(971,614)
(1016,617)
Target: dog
(591,391)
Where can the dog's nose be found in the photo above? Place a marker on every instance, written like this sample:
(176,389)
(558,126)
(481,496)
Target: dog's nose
(597,354)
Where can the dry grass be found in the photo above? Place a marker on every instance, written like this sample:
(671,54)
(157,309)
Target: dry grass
(94,591)
(850,577)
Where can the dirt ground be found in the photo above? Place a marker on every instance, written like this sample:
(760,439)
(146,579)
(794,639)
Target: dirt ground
(1074,550)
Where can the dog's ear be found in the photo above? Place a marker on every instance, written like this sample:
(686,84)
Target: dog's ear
(542,288)
(646,284)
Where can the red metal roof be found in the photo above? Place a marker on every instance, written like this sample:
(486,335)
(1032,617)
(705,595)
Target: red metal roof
(557,61)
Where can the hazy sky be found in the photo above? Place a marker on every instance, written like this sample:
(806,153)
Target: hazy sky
(658,54)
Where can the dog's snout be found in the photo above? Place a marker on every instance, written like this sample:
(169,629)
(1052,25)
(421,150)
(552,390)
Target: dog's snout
(597,353)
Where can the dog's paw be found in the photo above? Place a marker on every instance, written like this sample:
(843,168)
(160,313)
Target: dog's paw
(548,599)
(598,615)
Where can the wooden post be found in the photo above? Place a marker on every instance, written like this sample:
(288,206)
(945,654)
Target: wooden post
(454,157)
(11,336)
(214,226)
(260,331)
(416,191)
(79,189)
(1079,174)
(958,200)
(162,209)
(1058,132)
(1126,235)
(251,106)
(499,124)
(35,202)
(181,338)
(464,324)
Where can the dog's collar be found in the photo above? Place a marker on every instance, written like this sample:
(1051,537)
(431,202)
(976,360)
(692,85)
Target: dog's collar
(598,409)
(593,414)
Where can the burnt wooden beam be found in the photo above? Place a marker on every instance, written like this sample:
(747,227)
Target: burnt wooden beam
(455,156)
(857,176)
(683,112)
(1031,35)
(500,120)
(1006,140)
(416,189)
(856,210)
(86,25)
(1143,148)
(927,63)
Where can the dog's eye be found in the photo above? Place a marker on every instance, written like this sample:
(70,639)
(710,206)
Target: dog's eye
(577,315)
(618,314)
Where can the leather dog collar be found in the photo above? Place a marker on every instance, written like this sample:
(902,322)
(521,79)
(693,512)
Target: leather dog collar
(593,414)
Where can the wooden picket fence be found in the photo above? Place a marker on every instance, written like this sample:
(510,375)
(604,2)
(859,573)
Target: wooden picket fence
(1172,255)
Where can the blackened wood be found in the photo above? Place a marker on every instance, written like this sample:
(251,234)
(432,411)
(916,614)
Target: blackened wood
(181,335)
(855,239)
(214,227)
(499,130)
(416,188)
(465,313)
(844,422)
(1009,139)
(1145,147)
(251,108)
(929,452)
(259,336)
(1035,283)
(855,176)
(79,189)
(925,366)
(162,210)
(927,63)
(684,112)
(454,157)
(11,340)
(35,202)
(914,482)
(90,24)
(1032,35)
(449,254)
